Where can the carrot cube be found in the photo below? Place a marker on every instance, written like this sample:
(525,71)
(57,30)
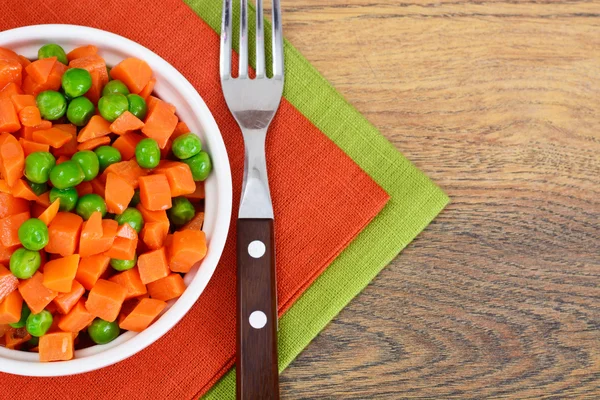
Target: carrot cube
(155,193)
(167,288)
(64,232)
(91,269)
(133,72)
(9,119)
(97,127)
(9,228)
(66,301)
(10,205)
(142,315)
(60,273)
(126,122)
(179,175)
(131,281)
(105,300)
(10,308)
(160,123)
(195,223)
(126,145)
(36,295)
(187,248)
(8,282)
(153,265)
(77,319)
(153,235)
(119,193)
(57,346)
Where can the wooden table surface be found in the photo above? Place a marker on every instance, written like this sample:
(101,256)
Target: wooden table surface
(499,103)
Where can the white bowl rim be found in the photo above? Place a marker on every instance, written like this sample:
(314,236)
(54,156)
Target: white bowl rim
(130,343)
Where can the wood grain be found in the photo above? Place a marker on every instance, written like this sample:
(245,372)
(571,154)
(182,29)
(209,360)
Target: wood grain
(499,102)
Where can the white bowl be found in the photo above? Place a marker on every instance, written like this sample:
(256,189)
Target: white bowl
(172,87)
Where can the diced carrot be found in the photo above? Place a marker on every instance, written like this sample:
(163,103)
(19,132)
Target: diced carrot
(57,346)
(153,265)
(126,122)
(98,187)
(49,213)
(6,252)
(155,193)
(160,123)
(60,273)
(118,193)
(133,72)
(195,223)
(31,87)
(43,199)
(91,234)
(109,234)
(95,92)
(9,120)
(188,248)
(84,188)
(11,71)
(54,81)
(105,300)
(93,143)
(92,63)
(12,158)
(10,308)
(64,231)
(36,295)
(31,147)
(40,70)
(71,130)
(20,101)
(9,228)
(54,137)
(66,301)
(4,188)
(142,315)
(180,129)
(30,116)
(10,205)
(131,281)
(167,288)
(125,243)
(148,89)
(10,90)
(83,51)
(8,283)
(128,170)
(97,127)
(23,191)
(152,101)
(153,235)
(179,175)
(13,338)
(155,216)
(77,319)
(91,269)
(27,131)
(126,145)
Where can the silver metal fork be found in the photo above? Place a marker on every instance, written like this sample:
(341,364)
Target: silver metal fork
(253,103)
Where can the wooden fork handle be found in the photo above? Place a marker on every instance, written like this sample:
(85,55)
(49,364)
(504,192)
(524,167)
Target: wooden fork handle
(257,372)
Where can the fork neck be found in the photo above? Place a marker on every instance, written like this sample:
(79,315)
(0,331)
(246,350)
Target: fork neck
(255,201)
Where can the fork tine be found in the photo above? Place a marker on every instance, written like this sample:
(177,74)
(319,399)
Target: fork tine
(243,64)
(277,40)
(225,60)
(260,41)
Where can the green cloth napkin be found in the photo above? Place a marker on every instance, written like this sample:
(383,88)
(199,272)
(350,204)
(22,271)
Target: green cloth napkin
(414,202)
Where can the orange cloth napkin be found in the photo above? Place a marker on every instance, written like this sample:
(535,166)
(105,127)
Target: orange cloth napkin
(322,200)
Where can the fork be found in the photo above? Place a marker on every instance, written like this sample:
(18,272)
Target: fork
(253,103)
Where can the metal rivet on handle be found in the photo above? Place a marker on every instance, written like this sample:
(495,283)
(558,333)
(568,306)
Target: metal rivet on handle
(257,319)
(256,249)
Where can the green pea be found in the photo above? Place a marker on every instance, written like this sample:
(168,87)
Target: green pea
(65,175)
(112,106)
(38,188)
(52,105)
(38,324)
(123,265)
(76,82)
(115,87)
(147,153)
(133,217)
(33,234)
(53,50)
(102,332)
(200,165)
(90,203)
(137,106)
(107,155)
(186,146)
(68,198)
(80,111)
(88,162)
(181,212)
(135,200)
(25,311)
(24,263)
(38,166)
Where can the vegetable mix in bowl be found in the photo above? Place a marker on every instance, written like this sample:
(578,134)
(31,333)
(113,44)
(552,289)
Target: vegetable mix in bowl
(101,200)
